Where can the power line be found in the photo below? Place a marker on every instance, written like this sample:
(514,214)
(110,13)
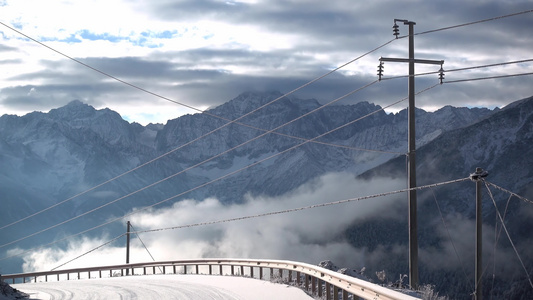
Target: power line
(491,65)
(489,77)
(507,233)
(207,113)
(104,244)
(194,166)
(304,207)
(450,238)
(497,234)
(137,234)
(222,221)
(217,179)
(472,23)
(509,192)
(139,237)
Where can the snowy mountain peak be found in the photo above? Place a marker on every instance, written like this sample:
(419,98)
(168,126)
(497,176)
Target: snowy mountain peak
(250,101)
(73,110)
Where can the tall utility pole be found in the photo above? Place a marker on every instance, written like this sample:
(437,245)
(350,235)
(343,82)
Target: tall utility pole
(128,246)
(411,172)
(477,177)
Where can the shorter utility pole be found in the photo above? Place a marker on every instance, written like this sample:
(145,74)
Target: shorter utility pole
(477,177)
(128,246)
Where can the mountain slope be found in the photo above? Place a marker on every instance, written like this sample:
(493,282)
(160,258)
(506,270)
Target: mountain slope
(500,144)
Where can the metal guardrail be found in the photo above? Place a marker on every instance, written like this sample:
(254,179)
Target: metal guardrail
(313,279)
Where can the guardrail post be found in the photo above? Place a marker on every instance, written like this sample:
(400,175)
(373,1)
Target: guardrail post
(313,285)
(197,270)
(232,270)
(185,269)
(319,287)
(328,291)
(220,270)
(210,270)
(242,270)
(336,292)
(252,272)
(261,273)
(290,276)
(306,282)
(344,295)
(298,279)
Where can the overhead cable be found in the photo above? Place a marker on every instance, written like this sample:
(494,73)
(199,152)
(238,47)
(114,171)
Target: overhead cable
(305,207)
(509,192)
(149,253)
(489,77)
(507,233)
(497,234)
(491,65)
(472,23)
(450,238)
(94,249)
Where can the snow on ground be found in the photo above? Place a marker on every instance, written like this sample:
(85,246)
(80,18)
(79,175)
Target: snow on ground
(163,287)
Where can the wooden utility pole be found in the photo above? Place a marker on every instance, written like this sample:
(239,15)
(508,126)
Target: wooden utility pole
(411,172)
(477,177)
(128,246)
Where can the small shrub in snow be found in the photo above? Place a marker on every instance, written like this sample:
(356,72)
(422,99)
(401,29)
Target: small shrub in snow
(381,275)
(427,292)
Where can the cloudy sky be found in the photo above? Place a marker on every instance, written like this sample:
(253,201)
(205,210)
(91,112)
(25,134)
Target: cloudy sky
(206,52)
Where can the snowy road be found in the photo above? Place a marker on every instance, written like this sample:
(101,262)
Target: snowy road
(163,287)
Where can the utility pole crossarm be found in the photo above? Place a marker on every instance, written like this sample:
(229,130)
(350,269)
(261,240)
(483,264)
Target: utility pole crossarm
(416,61)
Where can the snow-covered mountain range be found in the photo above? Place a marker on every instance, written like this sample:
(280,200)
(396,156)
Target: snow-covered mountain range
(50,157)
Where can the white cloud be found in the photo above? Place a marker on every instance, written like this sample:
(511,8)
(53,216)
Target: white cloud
(310,235)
